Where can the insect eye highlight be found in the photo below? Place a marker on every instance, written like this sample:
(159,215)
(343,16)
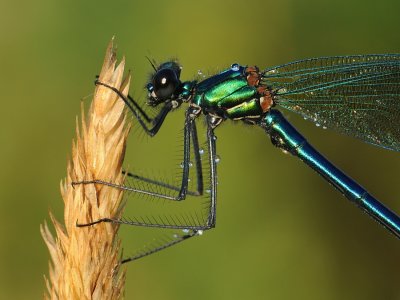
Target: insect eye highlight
(165,83)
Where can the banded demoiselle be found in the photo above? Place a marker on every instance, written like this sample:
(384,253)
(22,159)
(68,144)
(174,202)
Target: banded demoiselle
(355,95)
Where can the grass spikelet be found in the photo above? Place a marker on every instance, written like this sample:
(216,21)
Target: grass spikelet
(83,260)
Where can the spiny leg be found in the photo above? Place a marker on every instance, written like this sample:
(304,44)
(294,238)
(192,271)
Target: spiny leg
(162,247)
(159,183)
(139,113)
(197,161)
(188,132)
(199,172)
(193,230)
(211,219)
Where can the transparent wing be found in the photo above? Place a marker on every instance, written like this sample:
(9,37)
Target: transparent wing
(355,95)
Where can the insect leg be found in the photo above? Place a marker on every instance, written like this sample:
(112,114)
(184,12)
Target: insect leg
(211,219)
(139,113)
(197,161)
(183,190)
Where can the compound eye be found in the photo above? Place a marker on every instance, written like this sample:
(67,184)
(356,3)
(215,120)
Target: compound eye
(165,83)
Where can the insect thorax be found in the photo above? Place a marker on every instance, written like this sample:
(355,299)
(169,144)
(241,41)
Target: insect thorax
(235,93)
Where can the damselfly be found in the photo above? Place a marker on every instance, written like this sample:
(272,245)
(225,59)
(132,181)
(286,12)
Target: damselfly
(355,95)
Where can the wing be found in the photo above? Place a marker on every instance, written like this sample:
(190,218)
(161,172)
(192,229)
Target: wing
(355,95)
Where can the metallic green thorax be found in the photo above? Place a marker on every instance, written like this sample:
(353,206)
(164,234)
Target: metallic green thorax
(228,95)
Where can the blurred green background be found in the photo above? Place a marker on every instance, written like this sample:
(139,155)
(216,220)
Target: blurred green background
(282,232)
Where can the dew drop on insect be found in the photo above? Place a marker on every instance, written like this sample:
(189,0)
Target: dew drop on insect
(208,191)
(284,151)
(199,72)
(185,230)
(324,127)
(317,124)
(201,151)
(235,67)
(214,137)
(217,159)
(199,232)
(175,235)
(190,164)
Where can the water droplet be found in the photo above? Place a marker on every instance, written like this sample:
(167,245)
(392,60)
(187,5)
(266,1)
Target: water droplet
(324,127)
(235,67)
(217,159)
(208,191)
(190,164)
(201,151)
(317,124)
(185,230)
(175,235)
(199,232)
(199,72)
(214,137)
(182,165)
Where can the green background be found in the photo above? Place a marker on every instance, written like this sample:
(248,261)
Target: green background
(282,232)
